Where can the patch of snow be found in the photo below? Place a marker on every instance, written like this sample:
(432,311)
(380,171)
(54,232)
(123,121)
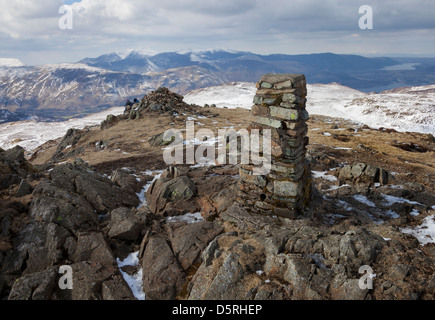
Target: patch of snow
(142,194)
(140,51)
(31,134)
(188,217)
(324,175)
(425,233)
(390,200)
(327,134)
(392,214)
(414,212)
(135,281)
(363,199)
(232,95)
(342,148)
(345,205)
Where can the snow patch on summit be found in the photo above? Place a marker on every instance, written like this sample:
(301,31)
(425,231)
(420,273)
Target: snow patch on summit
(11,62)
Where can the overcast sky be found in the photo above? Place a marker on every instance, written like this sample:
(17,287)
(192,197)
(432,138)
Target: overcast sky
(29,29)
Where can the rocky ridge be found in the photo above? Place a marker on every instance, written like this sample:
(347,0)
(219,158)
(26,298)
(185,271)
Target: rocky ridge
(191,238)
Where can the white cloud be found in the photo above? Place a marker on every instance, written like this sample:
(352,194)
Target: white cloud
(260,26)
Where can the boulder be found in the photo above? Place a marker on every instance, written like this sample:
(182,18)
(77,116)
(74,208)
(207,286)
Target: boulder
(188,241)
(158,141)
(164,191)
(126,225)
(228,270)
(62,207)
(35,286)
(66,147)
(110,121)
(104,196)
(362,176)
(93,247)
(88,280)
(38,247)
(358,248)
(116,289)
(98,190)
(23,189)
(126,181)
(13,167)
(163,276)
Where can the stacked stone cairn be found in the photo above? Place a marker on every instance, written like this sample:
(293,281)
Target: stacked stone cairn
(279,105)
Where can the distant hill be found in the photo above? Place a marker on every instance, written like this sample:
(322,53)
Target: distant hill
(61,91)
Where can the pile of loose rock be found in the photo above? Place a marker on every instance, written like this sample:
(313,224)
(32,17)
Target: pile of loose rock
(161,100)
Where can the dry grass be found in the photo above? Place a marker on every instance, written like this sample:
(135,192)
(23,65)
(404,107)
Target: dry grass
(128,143)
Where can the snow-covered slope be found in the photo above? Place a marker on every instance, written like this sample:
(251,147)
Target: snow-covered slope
(31,134)
(403,109)
(231,95)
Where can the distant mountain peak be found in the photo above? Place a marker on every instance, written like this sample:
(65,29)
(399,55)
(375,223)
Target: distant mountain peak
(140,51)
(209,50)
(11,62)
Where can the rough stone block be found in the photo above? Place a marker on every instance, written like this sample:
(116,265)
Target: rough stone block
(266,85)
(275,78)
(287,188)
(258,110)
(257,180)
(283,113)
(285,212)
(268,122)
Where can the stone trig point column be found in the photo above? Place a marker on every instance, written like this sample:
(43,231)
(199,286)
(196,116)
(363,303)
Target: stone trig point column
(279,105)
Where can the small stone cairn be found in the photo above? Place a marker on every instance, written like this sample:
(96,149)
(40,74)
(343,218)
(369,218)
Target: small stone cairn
(279,105)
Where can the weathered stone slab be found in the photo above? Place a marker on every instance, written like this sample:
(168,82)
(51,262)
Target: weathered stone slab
(258,110)
(283,113)
(287,188)
(268,122)
(283,79)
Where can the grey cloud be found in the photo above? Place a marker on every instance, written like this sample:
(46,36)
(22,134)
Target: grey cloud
(241,24)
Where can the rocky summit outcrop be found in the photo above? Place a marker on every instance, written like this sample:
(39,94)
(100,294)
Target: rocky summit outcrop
(61,225)
(167,196)
(161,100)
(179,233)
(169,256)
(13,167)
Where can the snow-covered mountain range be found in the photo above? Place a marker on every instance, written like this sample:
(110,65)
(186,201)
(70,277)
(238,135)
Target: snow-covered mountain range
(61,91)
